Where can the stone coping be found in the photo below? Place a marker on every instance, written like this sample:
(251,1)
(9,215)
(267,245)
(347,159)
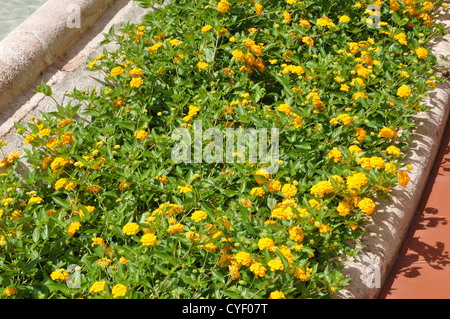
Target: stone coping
(57,52)
(41,40)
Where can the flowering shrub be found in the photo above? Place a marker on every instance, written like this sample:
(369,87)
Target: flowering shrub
(105,212)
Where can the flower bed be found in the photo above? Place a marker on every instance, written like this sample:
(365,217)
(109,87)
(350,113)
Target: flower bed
(108,211)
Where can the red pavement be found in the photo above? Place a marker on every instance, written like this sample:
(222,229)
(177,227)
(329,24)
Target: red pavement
(422,267)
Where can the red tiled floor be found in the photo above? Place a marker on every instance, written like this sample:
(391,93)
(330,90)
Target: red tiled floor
(444,162)
(412,279)
(428,239)
(422,268)
(436,197)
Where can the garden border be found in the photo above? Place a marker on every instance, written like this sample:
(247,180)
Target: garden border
(31,51)
(36,44)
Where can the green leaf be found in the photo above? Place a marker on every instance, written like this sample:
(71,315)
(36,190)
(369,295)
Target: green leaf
(283,259)
(36,234)
(163,270)
(61,202)
(218,276)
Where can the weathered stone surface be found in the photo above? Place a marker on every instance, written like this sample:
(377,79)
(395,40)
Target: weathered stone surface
(41,40)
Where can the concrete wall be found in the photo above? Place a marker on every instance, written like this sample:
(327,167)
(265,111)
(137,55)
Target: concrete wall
(41,40)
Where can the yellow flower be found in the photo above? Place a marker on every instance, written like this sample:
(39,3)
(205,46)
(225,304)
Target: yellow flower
(266,242)
(175,42)
(192,236)
(305,24)
(136,72)
(356,181)
(324,228)
(44,132)
(258,9)
(209,247)
(345,119)
(273,185)
(103,262)
(185,189)
(258,191)
(155,47)
(97,286)
(67,138)
(344,19)
(387,133)
(343,209)
(73,228)
(275,264)
(335,154)
(322,188)
(52,142)
(29,138)
(99,241)
(289,190)
(119,291)
(360,134)
(124,185)
(285,108)
(401,37)
(130,229)
(64,122)
(175,229)
(277,295)
(206,28)
(287,17)
(367,206)
(300,274)
(149,239)
(258,269)
(117,71)
(261,172)
(403,178)
(353,47)
(394,150)
(404,91)
(223,6)
(243,258)
(35,200)
(390,167)
(202,66)
(59,274)
(199,215)
(238,55)
(234,270)
(10,291)
(123,260)
(422,53)
(136,82)
(141,135)
(296,234)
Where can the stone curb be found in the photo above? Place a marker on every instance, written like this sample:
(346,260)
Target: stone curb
(41,40)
